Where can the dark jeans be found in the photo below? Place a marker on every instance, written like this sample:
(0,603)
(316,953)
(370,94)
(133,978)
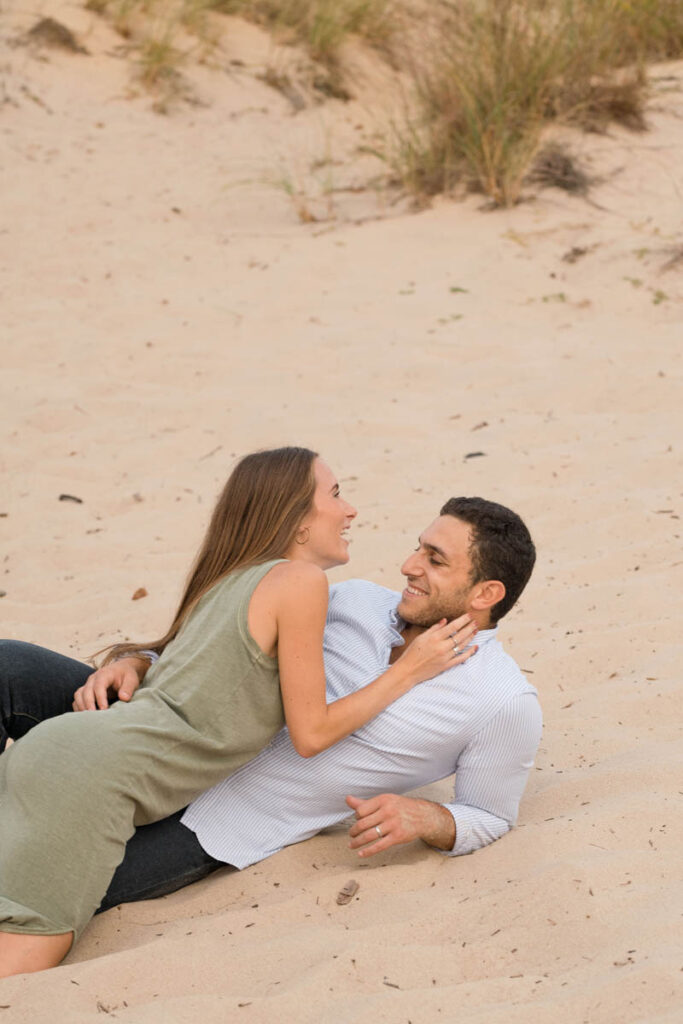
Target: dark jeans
(36,684)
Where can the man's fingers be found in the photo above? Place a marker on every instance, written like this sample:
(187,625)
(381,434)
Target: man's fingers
(372,848)
(368,822)
(91,696)
(129,684)
(100,694)
(105,685)
(368,842)
(363,807)
(83,699)
(390,820)
(365,835)
(88,699)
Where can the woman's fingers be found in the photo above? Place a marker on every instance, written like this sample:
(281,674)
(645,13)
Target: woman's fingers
(443,645)
(458,633)
(458,659)
(458,627)
(461,622)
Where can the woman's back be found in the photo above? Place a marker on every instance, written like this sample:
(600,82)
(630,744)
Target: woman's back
(214,673)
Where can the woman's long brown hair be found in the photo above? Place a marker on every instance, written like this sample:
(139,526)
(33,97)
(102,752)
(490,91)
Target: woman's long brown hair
(255,519)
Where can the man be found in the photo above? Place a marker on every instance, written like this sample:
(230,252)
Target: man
(480,719)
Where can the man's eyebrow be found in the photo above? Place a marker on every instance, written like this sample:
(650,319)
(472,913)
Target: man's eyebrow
(433,547)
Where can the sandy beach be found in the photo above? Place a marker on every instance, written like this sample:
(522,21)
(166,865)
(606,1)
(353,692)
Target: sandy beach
(164,310)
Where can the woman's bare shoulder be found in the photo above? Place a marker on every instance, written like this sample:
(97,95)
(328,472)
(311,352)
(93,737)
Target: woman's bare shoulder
(298,573)
(295,581)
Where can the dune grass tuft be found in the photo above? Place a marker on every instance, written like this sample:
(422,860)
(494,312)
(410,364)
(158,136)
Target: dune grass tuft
(503,70)
(320,25)
(158,59)
(487,82)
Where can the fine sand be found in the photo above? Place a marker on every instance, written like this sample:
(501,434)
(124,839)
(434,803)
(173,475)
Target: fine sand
(164,309)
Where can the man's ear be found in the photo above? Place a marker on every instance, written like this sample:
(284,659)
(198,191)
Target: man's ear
(486,594)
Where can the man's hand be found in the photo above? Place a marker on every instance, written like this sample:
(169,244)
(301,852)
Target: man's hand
(400,819)
(118,680)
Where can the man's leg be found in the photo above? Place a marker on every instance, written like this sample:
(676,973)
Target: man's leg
(35,684)
(160,858)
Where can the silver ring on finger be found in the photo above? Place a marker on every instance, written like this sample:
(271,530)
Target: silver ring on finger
(456,649)
(378,830)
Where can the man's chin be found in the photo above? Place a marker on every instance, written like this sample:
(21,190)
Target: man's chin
(426,617)
(413,618)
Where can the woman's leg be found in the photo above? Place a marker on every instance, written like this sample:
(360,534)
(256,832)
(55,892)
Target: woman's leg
(35,684)
(23,954)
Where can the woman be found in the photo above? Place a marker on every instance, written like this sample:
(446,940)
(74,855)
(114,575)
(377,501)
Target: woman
(243,655)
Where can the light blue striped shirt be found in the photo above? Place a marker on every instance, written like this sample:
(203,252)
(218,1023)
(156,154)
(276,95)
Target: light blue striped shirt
(480,720)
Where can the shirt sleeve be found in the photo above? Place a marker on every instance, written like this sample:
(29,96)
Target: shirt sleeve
(151,656)
(491,774)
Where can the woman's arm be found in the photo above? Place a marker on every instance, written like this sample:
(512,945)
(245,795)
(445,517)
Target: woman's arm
(314,725)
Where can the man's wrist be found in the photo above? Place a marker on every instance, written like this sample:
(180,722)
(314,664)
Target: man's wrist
(439,830)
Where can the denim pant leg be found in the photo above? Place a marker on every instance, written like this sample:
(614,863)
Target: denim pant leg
(159,859)
(35,684)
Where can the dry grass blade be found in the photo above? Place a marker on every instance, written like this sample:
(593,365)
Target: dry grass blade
(556,167)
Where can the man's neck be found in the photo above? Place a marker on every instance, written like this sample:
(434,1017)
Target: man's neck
(410,632)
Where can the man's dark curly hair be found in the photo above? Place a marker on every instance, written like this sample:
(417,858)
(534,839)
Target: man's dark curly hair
(501,548)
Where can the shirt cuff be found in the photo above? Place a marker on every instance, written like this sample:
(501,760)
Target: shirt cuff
(474,828)
(151,656)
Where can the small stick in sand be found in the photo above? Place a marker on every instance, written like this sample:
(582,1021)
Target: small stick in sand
(347,892)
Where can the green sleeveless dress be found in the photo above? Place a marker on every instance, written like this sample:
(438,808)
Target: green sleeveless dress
(73,790)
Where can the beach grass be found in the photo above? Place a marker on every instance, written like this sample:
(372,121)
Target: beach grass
(321,26)
(501,71)
(483,88)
